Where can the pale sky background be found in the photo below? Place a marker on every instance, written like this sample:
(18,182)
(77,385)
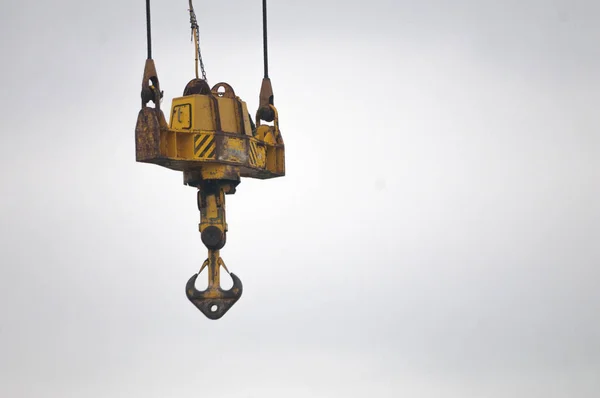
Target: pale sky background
(436,235)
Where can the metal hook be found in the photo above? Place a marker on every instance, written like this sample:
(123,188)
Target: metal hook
(213,302)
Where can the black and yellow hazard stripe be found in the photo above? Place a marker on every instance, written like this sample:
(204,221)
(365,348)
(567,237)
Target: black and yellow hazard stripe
(256,155)
(252,153)
(204,146)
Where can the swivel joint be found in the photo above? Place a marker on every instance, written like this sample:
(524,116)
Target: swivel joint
(213,228)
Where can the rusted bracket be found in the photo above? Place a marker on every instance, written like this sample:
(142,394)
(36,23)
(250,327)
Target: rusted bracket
(265,101)
(151,85)
(213,302)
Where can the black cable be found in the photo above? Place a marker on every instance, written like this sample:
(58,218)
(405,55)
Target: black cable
(149,35)
(265,51)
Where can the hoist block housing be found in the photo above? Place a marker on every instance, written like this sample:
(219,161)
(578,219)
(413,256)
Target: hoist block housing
(211,137)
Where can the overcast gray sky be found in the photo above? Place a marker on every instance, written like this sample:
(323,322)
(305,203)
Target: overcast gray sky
(436,234)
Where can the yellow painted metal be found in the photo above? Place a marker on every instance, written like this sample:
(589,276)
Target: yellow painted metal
(257,154)
(270,135)
(211,134)
(199,112)
(205,146)
(212,211)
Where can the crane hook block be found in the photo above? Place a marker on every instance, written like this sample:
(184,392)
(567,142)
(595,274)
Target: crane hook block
(213,141)
(211,138)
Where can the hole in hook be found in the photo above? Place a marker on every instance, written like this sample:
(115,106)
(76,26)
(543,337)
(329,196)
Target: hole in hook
(214,308)
(226,281)
(201,282)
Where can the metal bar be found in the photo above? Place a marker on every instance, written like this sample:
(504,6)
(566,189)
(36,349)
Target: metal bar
(214,275)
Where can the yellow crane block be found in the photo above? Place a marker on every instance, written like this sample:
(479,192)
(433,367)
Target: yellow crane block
(210,136)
